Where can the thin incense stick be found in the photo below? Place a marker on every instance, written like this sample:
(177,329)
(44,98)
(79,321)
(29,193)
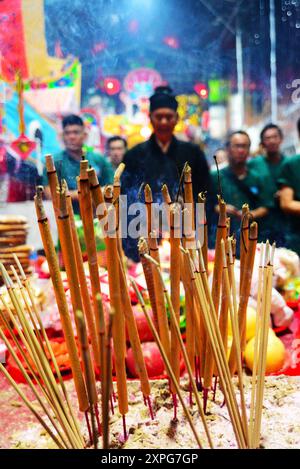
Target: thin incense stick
(61,301)
(168,365)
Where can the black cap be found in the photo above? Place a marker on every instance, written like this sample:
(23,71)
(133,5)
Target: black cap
(163,97)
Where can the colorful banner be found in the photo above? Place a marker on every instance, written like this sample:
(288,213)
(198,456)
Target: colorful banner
(12,40)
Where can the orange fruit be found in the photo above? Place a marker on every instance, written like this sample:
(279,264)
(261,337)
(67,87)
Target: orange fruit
(275,353)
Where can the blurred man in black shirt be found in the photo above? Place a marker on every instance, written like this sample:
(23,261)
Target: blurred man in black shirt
(160,160)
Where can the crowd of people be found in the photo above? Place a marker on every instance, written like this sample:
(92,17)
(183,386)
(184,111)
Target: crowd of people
(269,183)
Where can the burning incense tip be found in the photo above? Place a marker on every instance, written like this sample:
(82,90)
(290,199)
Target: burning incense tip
(143,247)
(118,173)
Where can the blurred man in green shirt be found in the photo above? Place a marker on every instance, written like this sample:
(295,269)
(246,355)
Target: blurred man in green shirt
(269,167)
(240,183)
(67,162)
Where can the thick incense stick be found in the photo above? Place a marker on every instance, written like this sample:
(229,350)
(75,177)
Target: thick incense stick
(203,236)
(96,193)
(53,182)
(86,211)
(184,353)
(244,240)
(68,253)
(87,306)
(148,273)
(148,202)
(133,334)
(163,326)
(188,219)
(116,304)
(100,206)
(175,236)
(167,202)
(61,301)
(116,193)
(245,292)
(223,319)
(167,365)
(216,289)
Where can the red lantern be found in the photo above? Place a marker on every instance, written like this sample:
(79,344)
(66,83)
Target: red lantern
(201,90)
(111,85)
(171,41)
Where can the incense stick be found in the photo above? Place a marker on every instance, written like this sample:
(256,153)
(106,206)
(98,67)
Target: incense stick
(183,350)
(27,285)
(61,301)
(215,293)
(119,323)
(175,231)
(86,211)
(245,292)
(87,306)
(167,365)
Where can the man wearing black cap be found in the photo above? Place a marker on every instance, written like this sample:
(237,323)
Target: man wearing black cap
(160,160)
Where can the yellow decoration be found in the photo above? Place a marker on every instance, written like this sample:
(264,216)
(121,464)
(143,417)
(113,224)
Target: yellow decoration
(275,353)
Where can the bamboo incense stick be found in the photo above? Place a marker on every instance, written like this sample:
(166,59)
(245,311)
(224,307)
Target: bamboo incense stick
(107,381)
(266,309)
(148,273)
(258,327)
(162,318)
(96,193)
(88,371)
(188,219)
(245,292)
(175,236)
(210,319)
(223,319)
(117,181)
(62,441)
(61,301)
(167,202)
(148,202)
(68,253)
(216,289)
(87,306)
(116,304)
(86,211)
(235,340)
(244,240)
(116,194)
(203,226)
(184,353)
(41,362)
(26,283)
(190,328)
(167,365)
(53,183)
(133,334)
